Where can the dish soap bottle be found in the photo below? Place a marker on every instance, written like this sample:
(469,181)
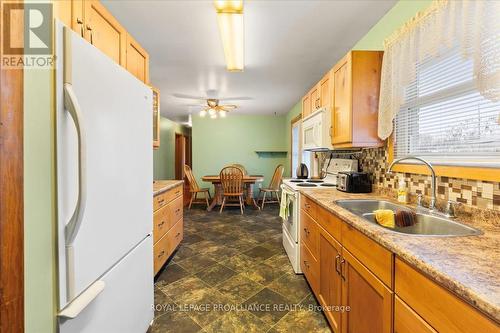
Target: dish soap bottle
(402,191)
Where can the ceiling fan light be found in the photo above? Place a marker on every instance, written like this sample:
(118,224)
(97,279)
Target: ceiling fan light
(203,113)
(212,112)
(223,113)
(228,6)
(231,29)
(213,116)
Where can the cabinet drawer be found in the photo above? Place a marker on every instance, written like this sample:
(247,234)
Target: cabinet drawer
(329,222)
(166,217)
(310,267)
(444,311)
(309,233)
(162,199)
(167,244)
(407,321)
(308,206)
(374,256)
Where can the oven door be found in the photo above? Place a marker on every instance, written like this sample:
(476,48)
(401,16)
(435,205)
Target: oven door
(291,224)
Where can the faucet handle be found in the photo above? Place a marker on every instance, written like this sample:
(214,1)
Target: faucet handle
(450,208)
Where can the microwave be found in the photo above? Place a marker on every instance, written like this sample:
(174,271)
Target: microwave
(316,131)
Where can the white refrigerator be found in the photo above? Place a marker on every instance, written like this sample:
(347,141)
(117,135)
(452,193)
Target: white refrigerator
(104,192)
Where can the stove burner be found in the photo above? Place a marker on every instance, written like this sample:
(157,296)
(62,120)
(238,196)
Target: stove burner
(315,181)
(307,185)
(328,185)
(296,181)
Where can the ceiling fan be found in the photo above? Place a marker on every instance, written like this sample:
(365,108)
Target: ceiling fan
(213,106)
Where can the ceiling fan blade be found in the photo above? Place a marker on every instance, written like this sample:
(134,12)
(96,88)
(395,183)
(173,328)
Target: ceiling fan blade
(236,99)
(188,96)
(229,106)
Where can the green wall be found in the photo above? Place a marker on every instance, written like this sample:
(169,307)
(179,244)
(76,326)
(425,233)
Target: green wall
(392,20)
(164,157)
(39,204)
(219,142)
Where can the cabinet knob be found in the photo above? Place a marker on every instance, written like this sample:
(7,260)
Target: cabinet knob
(89,28)
(80,22)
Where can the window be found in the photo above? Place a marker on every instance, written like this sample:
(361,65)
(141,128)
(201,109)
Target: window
(445,119)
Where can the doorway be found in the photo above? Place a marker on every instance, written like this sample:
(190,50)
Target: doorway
(298,155)
(183,156)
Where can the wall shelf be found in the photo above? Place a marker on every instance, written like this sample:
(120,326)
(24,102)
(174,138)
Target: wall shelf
(271,153)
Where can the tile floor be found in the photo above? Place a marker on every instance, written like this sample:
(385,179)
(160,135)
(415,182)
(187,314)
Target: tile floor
(231,274)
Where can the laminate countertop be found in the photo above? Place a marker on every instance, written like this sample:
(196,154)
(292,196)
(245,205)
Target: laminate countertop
(469,266)
(160,186)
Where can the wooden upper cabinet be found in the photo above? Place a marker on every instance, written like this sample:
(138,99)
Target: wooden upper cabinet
(370,301)
(330,280)
(325,91)
(315,98)
(356,86)
(137,60)
(104,32)
(306,106)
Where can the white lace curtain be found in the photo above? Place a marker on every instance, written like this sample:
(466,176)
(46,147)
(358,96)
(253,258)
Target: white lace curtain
(472,25)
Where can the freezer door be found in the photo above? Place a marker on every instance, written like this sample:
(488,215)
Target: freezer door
(109,174)
(125,305)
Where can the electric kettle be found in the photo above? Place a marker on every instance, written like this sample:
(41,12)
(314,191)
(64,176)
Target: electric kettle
(302,172)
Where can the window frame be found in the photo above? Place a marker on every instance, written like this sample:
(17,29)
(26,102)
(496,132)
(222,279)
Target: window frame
(452,171)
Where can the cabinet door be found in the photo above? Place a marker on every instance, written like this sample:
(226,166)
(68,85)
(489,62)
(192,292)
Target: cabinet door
(315,99)
(104,32)
(330,282)
(156,118)
(407,321)
(370,301)
(342,112)
(306,106)
(137,61)
(324,90)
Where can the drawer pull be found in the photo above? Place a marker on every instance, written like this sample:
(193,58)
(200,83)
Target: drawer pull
(178,234)
(306,264)
(337,264)
(307,206)
(160,201)
(342,269)
(177,210)
(177,192)
(161,224)
(161,254)
(307,231)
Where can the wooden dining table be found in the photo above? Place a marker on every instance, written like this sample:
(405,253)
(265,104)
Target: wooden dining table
(249,182)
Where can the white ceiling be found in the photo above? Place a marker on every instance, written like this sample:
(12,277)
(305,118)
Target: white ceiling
(289,45)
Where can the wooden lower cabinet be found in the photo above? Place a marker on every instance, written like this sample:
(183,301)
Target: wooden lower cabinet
(310,267)
(408,321)
(369,300)
(168,225)
(330,279)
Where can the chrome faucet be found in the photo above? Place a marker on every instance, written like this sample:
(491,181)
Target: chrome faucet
(432,204)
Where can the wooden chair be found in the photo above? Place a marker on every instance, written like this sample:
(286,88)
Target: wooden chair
(231,179)
(194,189)
(274,186)
(242,167)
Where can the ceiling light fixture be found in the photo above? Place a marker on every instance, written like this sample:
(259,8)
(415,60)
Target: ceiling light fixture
(212,112)
(230,19)
(203,113)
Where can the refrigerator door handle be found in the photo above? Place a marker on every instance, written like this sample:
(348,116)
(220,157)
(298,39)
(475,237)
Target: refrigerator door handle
(71,104)
(81,302)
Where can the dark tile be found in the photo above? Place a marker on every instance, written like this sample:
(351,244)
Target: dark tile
(200,247)
(294,287)
(183,252)
(239,262)
(215,274)
(175,322)
(196,263)
(171,273)
(237,322)
(239,288)
(303,321)
(203,305)
(177,289)
(268,305)
(263,273)
(259,253)
(192,239)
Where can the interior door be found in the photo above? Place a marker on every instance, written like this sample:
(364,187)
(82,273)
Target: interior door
(370,301)
(115,130)
(180,155)
(330,278)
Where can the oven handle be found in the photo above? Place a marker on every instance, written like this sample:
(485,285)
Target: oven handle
(287,191)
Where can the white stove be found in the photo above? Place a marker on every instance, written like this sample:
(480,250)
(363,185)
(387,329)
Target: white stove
(291,226)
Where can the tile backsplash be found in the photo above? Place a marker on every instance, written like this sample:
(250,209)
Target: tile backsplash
(475,193)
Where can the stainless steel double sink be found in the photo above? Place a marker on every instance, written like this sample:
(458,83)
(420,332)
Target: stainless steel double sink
(427,224)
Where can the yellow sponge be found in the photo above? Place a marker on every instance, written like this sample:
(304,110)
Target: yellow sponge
(384,217)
